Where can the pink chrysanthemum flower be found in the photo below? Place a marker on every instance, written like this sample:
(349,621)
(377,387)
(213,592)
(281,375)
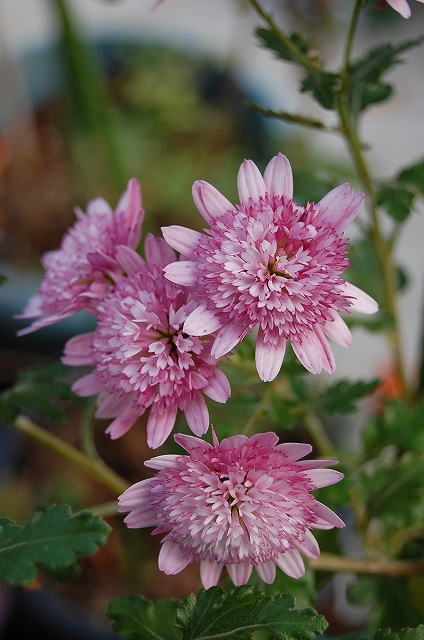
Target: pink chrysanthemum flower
(242,503)
(85,268)
(272,264)
(142,357)
(402,7)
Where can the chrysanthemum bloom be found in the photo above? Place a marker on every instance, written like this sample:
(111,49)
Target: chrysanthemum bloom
(142,357)
(272,264)
(402,7)
(85,268)
(242,503)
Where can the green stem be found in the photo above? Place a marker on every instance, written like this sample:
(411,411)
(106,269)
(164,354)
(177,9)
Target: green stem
(87,435)
(105,509)
(293,118)
(319,436)
(95,468)
(376,567)
(259,412)
(351,34)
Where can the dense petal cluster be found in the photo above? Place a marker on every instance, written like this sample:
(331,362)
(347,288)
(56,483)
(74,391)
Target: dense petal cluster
(241,503)
(142,357)
(85,268)
(272,264)
(402,7)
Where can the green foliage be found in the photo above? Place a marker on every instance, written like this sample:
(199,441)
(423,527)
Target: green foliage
(398,196)
(407,633)
(55,539)
(399,426)
(342,396)
(137,618)
(236,614)
(37,389)
(271,40)
(323,86)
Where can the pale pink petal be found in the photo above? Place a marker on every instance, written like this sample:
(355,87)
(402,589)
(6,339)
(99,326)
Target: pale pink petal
(201,322)
(401,6)
(190,443)
(269,438)
(122,423)
(309,546)
(44,322)
(197,414)
(219,387)
(77,350)
(278,176)
(338,331)
(130,260)
(110,405)
(157,252)
(361,301)
(326,516)
(333,206)
(291,563)
(135,494)
(167,461)
(267,571)
(314,352)
(182,239)
(140,517)
(210,573)
(323,477)
(226,339)
(209,201)
(87,386)
(269,357)
(295,450)
(250,183)
(239,573)
(160,425)
(96,205)
(130,204)
(183,272)
(171,559)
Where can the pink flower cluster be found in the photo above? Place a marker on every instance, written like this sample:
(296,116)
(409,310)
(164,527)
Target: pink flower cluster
(163,321)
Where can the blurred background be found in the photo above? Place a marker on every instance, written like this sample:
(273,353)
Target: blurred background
(94,92)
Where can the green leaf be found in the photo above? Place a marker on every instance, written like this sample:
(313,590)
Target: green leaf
(137,618)
(413,175)
(341,397)
(323,86)
(55,539)
(397,201)
(407,633)
(238,613)
(270,40)
(399,426)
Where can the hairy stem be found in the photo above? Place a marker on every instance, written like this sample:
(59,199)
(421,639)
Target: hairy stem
(97,469)
(376,567)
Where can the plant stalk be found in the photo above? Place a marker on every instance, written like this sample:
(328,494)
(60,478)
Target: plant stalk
(375,567)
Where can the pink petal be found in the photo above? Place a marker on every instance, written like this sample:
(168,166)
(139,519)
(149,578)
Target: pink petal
(314,352)
(294,450)
(130,260)
(157,252)
(202,321)
(209,201)
(87,386)
(160,425)
(111,405)
(401,6)
(326,518)
(210,573)
(135,494)
(268,438)
(167,461)
(250,183)
(323,477)
(339,207)
(122,423)
(190,443)
(269,357)
(197,415)
(239,573)
(267,571)
(226,339)
(77,351)
(291,563)
(219,387)
(361,301)
(338,331)
(309,546)
(44,322)
(278,177)
(183,272)
(97,205)
(182,239)
(171,559)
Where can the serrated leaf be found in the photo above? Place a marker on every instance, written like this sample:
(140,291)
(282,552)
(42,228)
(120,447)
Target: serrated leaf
(400,426)
(323,86)
(238,613)
(408,633)
(342,396)
(137,618)
(397,201)
(413,175)
(55,539)
(270,40)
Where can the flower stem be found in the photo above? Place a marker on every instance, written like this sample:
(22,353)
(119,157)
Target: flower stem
(376,567)
(319,436)
(259,412)
(95,468)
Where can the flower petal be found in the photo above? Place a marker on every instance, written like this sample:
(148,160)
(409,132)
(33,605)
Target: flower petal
(250,183)
(158,253)
(87,386)
(209,201)
(167,461)
(314,352)
(267,571)
(202,321)
(278,176)
(326,518)
(361,301)
(160,424)
(183,272)
(309,546)
(338,331)
(323,477)
(130,260)
(182,239)
(219,387)
(239,573)
(291,563)
(171,559)
(197,414)
(339,207)
(401,6)
(226,339)
(77,351)
(210,573)
(122,423)
(269,357)
(190,443)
